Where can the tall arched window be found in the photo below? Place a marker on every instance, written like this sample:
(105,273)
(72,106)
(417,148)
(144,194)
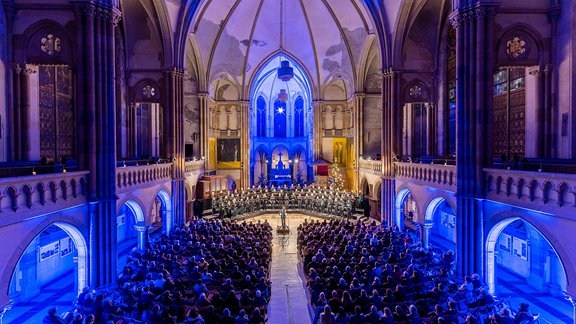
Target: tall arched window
(279,119)
(299,117)
(261,116)
(280,113)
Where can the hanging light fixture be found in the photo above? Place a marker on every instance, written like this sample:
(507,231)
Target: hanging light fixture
(285,72)
(283,95)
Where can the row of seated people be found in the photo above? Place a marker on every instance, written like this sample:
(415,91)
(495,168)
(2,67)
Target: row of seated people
(362,269)
(322,200)
(207,269)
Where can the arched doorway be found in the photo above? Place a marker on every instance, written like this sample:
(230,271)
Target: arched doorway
(440,225)
(57,257)
(161,215)
(523,263)
(515,246)
(131,232)
(407,214)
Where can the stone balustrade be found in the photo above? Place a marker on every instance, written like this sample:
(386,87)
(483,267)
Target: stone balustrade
(543,191)
(191,166)
(370,166)
(439,176)
(41,194)
(134,177)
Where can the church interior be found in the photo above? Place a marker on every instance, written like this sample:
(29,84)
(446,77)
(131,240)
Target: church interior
(445,128)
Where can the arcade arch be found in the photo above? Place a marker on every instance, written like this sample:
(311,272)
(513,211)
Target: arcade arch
(60,249)
(131,231)
(517,246)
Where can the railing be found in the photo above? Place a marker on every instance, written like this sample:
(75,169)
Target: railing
(531,189)
(370,166)
(191,166)
(133,177)
(42,193)
(433,175)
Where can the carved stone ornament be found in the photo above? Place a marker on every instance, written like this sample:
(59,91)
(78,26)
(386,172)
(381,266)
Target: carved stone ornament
(50,44)
(416,92)
(516,47)
(148,91)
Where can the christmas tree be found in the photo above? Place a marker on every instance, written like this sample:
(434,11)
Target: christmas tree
(262,180)
(336,181)
(299,179)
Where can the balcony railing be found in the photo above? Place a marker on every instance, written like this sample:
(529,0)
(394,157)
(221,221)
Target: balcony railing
(433,175)
(370,166)
(42,193)
(531,189)
(130,178)
(191,166)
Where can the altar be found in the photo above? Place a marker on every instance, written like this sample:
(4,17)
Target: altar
(281,175)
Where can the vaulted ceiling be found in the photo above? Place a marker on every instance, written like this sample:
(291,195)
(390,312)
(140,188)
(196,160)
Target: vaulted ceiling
(331,39)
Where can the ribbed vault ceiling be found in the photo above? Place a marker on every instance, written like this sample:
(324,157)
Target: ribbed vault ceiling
(330,39)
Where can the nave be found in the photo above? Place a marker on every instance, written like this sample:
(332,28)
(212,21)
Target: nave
(290,301)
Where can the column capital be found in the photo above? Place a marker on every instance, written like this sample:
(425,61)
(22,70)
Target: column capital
(535,71)
(140,227)
(17,68)
(389,72)
(176,71)
(27,70)
(455,19)
(109,13)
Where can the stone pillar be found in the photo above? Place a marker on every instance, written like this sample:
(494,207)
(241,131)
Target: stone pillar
(174,132)
(358,138)
(26,114)
(426,238)
(317,131)
(98,83)
(244,145)
(538,75)
(389,142)
(204,124)
(14,118)
(142,230)
(474,64)
(550,149)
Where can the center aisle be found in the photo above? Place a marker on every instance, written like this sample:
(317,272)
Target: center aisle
(288,303)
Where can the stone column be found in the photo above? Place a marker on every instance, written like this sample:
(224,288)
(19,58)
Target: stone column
(538,75)
(142,230)
(174,130)
(244,145)
(26,115)
(549,115)
(358,136)
(98,83)
(317,131)
(204,125)
(14,118)
(426,238)
(474,64)
(389,142)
